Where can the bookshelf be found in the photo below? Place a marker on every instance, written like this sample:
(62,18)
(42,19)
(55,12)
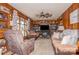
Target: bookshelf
(10,21)
(4,22)
(5,17)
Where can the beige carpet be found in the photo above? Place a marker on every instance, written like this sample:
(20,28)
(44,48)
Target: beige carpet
(43,47)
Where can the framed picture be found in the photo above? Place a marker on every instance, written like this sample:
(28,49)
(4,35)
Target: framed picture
(74,16)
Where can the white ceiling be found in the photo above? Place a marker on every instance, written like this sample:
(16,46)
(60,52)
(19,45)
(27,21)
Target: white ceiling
(31,9)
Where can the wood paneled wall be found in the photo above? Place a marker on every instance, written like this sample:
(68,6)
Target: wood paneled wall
(66,17)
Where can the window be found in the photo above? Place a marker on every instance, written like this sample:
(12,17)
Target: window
(25,31)
(22,25)
(19,23)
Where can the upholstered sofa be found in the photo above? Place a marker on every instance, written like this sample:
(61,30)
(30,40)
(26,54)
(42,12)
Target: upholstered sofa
(64,49)
(17,44)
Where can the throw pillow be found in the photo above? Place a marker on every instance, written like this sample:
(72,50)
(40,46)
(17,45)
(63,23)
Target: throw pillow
(56,35)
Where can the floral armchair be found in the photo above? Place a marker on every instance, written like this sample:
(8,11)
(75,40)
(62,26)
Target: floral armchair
(17,44)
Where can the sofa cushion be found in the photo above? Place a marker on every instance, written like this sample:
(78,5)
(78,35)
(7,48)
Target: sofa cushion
(69,40)
(66,49)
(72,33)
(73,41)
(65,32)
(66,40)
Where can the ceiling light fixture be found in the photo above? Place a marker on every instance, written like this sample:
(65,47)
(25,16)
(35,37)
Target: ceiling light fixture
(44,15)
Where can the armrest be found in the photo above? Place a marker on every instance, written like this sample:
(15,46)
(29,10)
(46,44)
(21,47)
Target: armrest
(29,41)
(64,48)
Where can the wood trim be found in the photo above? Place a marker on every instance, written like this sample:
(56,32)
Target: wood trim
(12,8)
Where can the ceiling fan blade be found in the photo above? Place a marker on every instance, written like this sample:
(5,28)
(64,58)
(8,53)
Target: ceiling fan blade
(50,15)
(41,13)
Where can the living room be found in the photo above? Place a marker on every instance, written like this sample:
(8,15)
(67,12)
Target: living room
(39,28)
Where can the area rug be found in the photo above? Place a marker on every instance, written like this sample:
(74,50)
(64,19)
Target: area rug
(43,46)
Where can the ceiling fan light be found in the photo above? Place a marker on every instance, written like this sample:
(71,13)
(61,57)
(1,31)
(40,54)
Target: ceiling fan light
(42,15)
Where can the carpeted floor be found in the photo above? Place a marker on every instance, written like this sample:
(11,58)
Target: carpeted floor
(43,46)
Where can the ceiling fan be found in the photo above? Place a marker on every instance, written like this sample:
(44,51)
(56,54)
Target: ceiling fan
(44,15)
